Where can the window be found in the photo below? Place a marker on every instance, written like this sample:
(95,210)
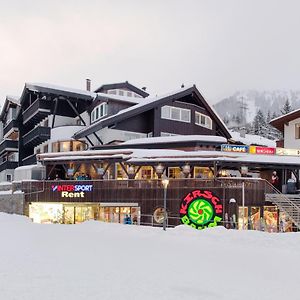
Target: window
(99,112)
(46,149)
(167,134)
(113,92)
(297,131)
(8,177)
(176,114)
(121,93)
(203,120)
(129,94)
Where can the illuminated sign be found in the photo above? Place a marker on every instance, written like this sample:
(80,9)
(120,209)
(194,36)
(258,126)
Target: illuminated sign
(284,151)
(72,190)
(235,148)
(262,150)
(201,209)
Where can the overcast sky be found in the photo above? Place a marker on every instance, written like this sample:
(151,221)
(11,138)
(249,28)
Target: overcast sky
(221,46)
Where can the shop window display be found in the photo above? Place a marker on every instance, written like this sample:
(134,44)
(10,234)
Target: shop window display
(72,213)
(254,218)
(271,218)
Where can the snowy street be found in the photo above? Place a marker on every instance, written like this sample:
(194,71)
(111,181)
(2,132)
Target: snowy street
(97,260)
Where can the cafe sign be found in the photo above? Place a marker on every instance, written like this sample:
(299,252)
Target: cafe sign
(235,148)
(288,152)
(262,150)
(72,190)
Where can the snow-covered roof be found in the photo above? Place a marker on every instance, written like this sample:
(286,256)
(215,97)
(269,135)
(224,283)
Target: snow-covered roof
(286,115)
(134,100)
(13,99)
(177,138)
(251,139)
(166,155)
(57,88)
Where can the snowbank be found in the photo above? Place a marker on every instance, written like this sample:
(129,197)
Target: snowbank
(97,260)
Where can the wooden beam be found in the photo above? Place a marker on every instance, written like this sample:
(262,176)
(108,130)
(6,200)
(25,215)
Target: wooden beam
(54,112)
(51,170)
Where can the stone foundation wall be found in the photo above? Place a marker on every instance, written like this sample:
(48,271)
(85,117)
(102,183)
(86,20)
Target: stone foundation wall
(12,203)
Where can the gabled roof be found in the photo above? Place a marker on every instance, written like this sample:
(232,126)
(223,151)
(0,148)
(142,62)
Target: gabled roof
(148,104)
(122,85)
(280,121)
(9,100)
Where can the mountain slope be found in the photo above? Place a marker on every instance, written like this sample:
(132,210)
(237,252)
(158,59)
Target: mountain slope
(245,104)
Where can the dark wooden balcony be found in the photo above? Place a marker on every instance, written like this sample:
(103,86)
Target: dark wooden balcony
(37,111)
(36,136)
(8,165)
(9,126)
(8,146)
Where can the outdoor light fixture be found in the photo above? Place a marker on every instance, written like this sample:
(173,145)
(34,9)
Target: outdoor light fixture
(159,169)
(186,169)
(131,170)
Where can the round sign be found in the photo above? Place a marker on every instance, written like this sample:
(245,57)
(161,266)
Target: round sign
(201,209)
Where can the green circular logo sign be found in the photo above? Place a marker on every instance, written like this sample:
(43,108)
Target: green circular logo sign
(201,209)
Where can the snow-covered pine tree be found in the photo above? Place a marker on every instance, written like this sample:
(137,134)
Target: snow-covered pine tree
(259,124)
(286,107)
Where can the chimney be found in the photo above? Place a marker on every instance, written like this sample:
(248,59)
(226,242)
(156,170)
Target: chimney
(88,84)
(182,86)
(144,88)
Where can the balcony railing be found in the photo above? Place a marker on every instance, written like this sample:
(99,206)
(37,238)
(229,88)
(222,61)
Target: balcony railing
(12,124)
(8,165)
(29,160)
(36,136)
(8,146)
(37,111)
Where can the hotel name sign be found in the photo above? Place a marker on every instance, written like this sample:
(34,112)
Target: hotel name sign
(72,190)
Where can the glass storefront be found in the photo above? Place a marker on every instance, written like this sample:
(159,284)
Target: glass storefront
(73,213)
(271,218)
(254,218)
(243,218)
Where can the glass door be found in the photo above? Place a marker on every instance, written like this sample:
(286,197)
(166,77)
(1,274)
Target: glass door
(243,218)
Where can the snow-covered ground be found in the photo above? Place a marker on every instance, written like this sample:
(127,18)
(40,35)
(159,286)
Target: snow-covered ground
(97,260)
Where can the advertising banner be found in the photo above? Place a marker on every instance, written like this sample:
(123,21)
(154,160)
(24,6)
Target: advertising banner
(235,148)
(262,150)
(288,152)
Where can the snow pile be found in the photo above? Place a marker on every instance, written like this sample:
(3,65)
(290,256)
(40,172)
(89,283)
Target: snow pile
(252,139)
(96,260)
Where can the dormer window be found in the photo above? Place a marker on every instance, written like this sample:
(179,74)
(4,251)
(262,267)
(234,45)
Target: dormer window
(98,112)
(203,120)
(176,114)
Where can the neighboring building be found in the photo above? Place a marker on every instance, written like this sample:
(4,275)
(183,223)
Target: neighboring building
(9,138)
(289,126)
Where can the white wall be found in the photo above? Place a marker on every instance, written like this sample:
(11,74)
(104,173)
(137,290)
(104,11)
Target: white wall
(4,173)
(290,140)
(108,135)
(63,133)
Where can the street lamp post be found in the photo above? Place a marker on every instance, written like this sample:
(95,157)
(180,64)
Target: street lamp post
(165,183)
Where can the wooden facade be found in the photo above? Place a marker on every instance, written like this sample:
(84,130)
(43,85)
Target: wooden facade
(149,193)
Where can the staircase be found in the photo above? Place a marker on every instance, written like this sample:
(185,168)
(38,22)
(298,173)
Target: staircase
(287,203)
